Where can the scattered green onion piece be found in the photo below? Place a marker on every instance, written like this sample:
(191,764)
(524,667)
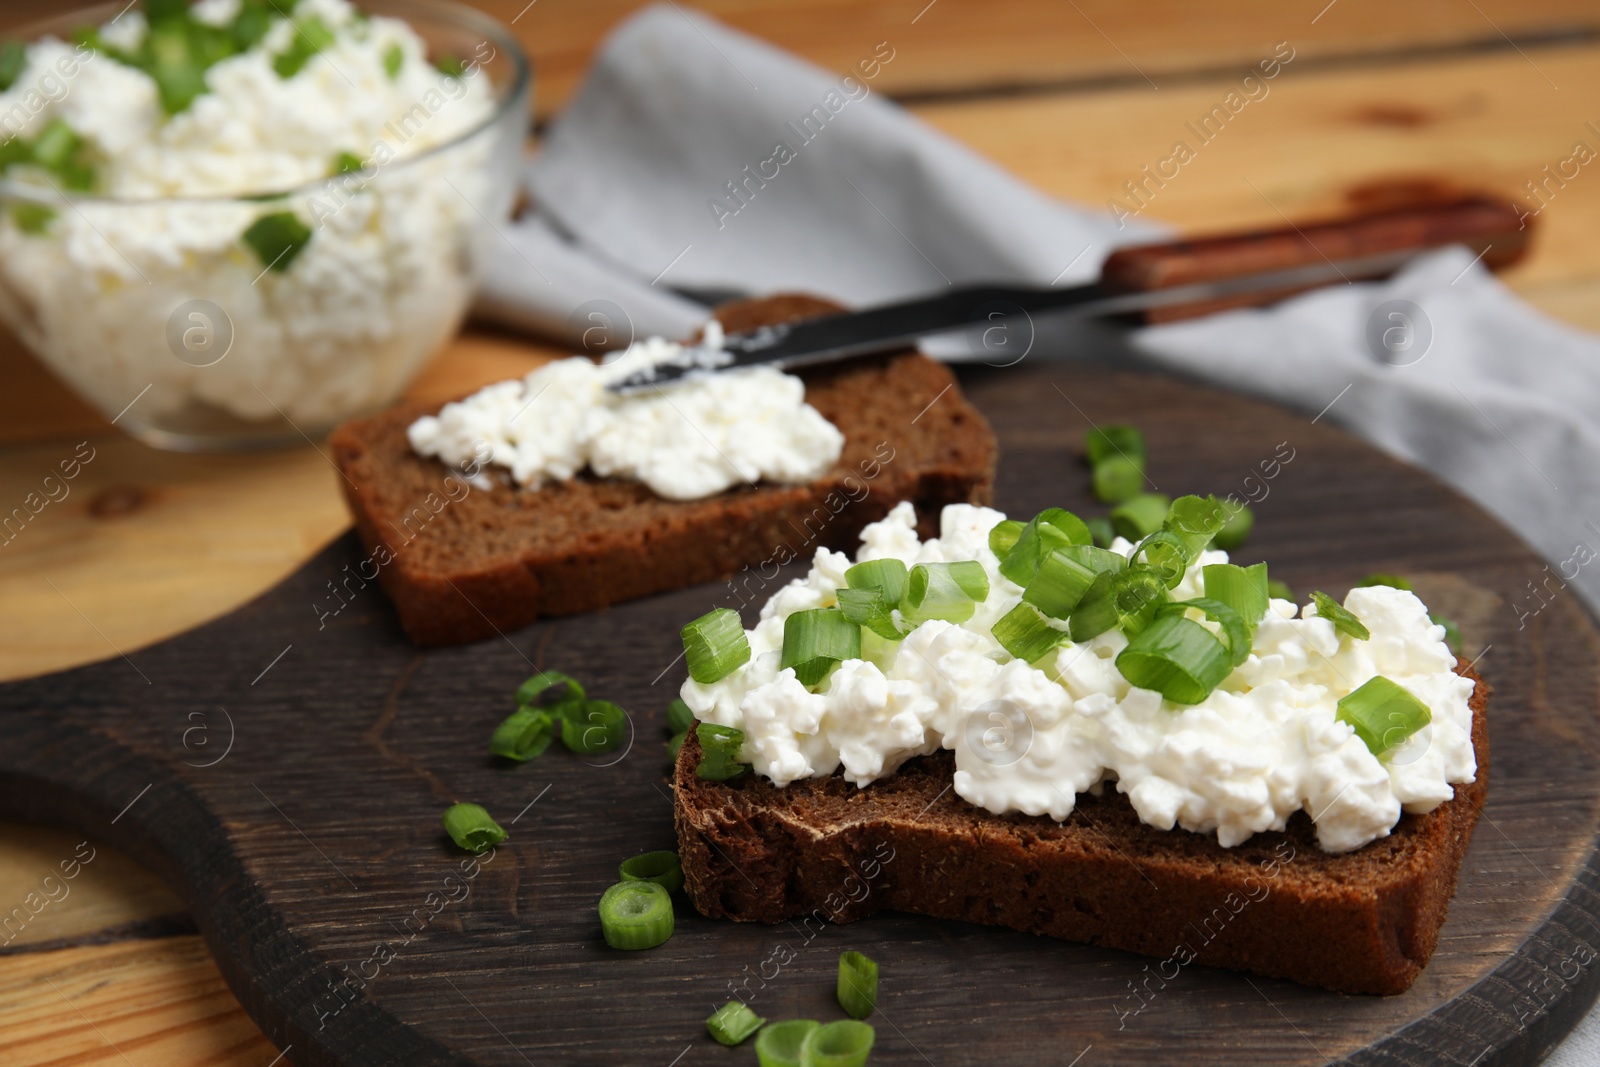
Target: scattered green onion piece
(679,717)
(661,867)
(1141,516)
(1383,714)
(1003,538)
(1244,589)
(252,22)
(593,726)
(1027,634)
(732,1023)
(1049,530)
(872,609)
(1336,613)
(1452,632)
(1176,657)
(815,641)
(1196,519)
(1166,553)
(1100,560)
(1125,600)
(346,163)
(277,239)
(845,1043)
(675,744)
(529,692)
(1103,442)
(1393,581)
(1236,529)
(858,984)
(13,57)
(719,752)
(14,150)
(393,59)
(636,915)
(1117,478)
(715,645)
(783,1044)
(31,218)
(471,828)
(525,734)
(1235,633)
(450,65)
(55,145)
(1279,590)
(948,591)
(1059,584)
(1101,530)
(886,575)
(311,36)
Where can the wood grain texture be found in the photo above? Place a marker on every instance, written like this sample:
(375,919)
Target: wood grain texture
(315,840)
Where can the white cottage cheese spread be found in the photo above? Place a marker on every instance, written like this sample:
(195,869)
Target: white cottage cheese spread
(689,439)
(383,280)
(1262,746)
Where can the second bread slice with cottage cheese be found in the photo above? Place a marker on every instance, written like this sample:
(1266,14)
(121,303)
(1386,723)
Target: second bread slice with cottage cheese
(462,563)
(822,849)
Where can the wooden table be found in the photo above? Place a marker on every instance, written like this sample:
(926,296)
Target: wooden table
(1074,97)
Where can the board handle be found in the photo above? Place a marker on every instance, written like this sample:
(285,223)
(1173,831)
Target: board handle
(1496,229)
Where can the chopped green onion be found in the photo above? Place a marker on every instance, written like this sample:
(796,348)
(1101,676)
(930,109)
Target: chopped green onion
(393,58)
(948,591)
(845,1043)
(1049,530)
(1125,600)
(1027,634)
(783,1044)
(886,575)
(55,145)
(346,163)
(530,691)
(1452,632)
(661,867)
(858,984)
(1336,613)
(450,65)
(526,733)
(1166,553)
(1235,633)
(1141,516)
(1101,530)
(872,609)
(1236,529)
(1383,714)
(311,36)
(1196,519)
(31,218)
(1103,442)
(1059,584)
(594,726)
(733,1023)
(719,752)
(471,828)
(679,717)
(251,23)
(1003,538)
(13,57)
(1100,560)
(715,645)
(1176,657)
(1279,590)
(1117,478)
(675,744)
(815,641)
(277,239)
(1393,581)
(635,915)
(1244,589)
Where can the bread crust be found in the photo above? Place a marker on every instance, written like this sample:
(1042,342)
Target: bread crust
(463,563)
(1361,922)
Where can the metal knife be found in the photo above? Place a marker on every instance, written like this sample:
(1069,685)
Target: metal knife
(1157,282)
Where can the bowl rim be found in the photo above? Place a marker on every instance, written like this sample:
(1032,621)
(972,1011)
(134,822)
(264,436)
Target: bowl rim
(500,36)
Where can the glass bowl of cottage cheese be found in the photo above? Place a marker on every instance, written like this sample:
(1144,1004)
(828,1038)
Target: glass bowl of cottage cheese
(236,223)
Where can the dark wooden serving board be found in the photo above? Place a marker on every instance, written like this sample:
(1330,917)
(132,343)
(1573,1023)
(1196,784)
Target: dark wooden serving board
(286,770)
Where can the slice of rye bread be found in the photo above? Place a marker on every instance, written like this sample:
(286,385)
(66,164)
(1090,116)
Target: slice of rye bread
(463,565)
(1360,922)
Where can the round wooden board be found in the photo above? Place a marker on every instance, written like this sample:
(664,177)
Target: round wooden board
(285,769)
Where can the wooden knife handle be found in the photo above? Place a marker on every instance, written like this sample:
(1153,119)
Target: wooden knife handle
(1496,228)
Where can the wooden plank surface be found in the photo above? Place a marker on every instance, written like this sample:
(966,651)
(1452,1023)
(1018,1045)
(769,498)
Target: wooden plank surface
(1376,89)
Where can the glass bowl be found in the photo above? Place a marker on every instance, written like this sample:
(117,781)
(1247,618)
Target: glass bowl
(165,317)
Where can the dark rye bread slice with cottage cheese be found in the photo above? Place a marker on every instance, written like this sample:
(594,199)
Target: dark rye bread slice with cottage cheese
(462,564)
(1362,922)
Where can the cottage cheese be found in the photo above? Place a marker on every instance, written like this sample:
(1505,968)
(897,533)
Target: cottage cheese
(687,440)
(384,280)
(1264,745)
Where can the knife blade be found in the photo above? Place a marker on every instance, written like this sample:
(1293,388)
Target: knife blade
(1209,273)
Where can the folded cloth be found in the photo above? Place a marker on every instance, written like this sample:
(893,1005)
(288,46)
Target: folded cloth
(698,160)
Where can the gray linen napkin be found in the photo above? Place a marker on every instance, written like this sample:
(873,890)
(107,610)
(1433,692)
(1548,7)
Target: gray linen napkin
(698,160)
